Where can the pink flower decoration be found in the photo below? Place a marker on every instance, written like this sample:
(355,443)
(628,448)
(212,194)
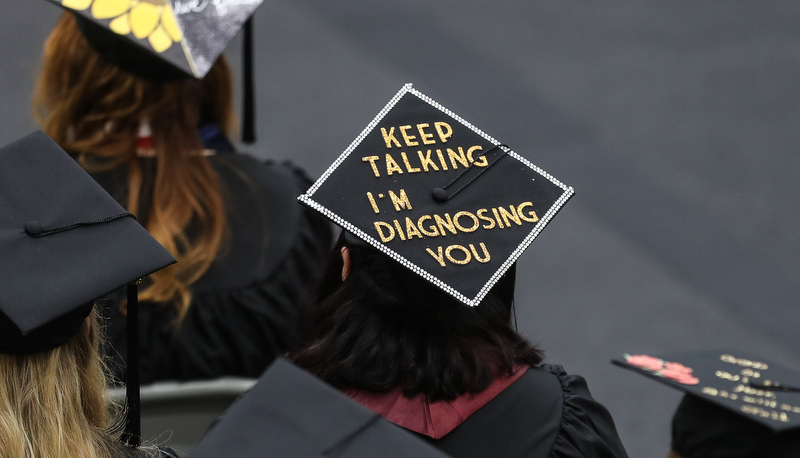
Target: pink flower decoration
(684,378)
(678,367)
(645,362)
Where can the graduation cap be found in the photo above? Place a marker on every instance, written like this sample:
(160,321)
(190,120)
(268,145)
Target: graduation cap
(734,402)
(290,413)
(438,195)
(164,40)
(64,242)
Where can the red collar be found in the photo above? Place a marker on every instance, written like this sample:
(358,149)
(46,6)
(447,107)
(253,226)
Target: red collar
(433,419)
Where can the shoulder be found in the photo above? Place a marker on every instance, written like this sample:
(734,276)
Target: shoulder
(587,428)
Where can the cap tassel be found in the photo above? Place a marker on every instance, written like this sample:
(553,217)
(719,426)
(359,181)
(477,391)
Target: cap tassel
(132,434)
(248,90)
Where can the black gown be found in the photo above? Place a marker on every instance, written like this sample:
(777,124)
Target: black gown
(546,413)
(242,312)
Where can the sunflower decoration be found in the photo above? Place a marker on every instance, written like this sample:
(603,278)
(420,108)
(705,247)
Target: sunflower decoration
(151,19)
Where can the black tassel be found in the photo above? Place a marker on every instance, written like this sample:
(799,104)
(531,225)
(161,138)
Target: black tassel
(132,434)
(248,89)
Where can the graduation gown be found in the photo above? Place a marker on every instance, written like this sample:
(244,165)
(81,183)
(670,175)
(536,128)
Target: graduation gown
(540,412)
(242,312)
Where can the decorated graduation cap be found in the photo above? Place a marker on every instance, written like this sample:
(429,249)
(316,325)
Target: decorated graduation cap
(64,242)
(736,405)
(164,40)
(438,195)
(290,413)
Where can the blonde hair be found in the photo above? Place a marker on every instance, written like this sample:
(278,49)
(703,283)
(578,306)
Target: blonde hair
(93,109)
(51,403)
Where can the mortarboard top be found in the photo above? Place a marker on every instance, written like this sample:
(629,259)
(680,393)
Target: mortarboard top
(751,387)
(438,195)
(292,414)
(64,243)
(188,34)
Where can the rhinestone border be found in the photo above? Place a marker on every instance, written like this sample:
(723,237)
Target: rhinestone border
(526,242)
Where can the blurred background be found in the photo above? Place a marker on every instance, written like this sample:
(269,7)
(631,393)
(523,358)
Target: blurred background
(676,122)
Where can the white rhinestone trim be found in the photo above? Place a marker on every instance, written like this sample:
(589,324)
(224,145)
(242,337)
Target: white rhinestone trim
(543,221)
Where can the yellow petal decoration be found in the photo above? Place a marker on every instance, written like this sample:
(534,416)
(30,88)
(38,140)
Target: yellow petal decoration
(79,5)
(105,9)
(160,40)
(121,25)
(144,19)
(170,24)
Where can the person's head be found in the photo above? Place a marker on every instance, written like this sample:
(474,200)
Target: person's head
(374,325)
(703,429)
(94,110)
(51,403)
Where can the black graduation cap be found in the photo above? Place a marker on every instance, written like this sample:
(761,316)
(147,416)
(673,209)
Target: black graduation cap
(64,242)
(189,34)
(438,195)
(164,40)
(744,385)
(290,413)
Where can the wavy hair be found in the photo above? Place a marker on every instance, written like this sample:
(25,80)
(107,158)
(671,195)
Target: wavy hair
(384,328)
(93,109)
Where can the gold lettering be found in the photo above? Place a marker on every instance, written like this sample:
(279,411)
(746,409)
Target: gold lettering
(391,165)
(486,256)
(372,202)
(411,230)
(439,258)
(512,214)
(482,161)
(530,217)
(426,161)
(426,138)
(457,261)
(481,215)
(399,230)
(409,139)
(432,232)
(388,137)
(444,130)
(408,165)
(460,157)
(441,159)
(442,224)
(384,238)
(497,217)
(475,221)
(371,160)
(401,202)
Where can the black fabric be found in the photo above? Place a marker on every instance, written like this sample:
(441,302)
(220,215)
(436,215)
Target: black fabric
(702,429)
(243,310)
(289,413)
(391,190)
(547,413)
(61,246)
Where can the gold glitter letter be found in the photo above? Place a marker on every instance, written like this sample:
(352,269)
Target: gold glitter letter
(475,222)
(400,202)
(530,217)
(454,260)
(408,138)
(439,258)
(389,137)
(426,138)
(371,160)
(433,232)
(426,161)
(512,214)
(457,157)
(441,127)
(486,256)
(411,230)
(408,164)
(482,161)
(391,165)
(445,224)
(384,238)
(482,215)
(372,202)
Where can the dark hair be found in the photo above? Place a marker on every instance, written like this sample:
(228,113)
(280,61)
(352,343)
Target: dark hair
(384,327)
